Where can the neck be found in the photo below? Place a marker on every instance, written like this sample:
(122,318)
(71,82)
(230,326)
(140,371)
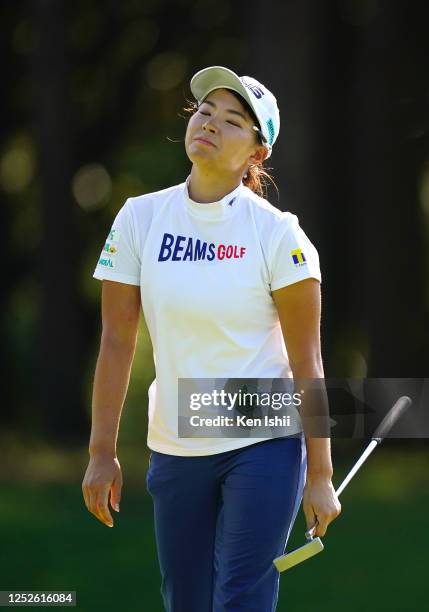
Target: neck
(207,187)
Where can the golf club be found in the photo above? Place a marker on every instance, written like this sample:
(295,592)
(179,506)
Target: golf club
(315,545)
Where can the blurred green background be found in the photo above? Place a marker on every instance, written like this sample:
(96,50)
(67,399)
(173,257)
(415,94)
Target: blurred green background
(90,113)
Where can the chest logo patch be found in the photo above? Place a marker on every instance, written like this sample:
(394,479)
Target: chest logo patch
(187,248)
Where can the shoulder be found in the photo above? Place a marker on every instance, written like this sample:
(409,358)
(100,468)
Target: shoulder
(138,212)
(142,209)
(267,216)
(147,201)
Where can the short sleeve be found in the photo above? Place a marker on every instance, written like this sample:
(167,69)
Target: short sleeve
(119,259)
(292,256)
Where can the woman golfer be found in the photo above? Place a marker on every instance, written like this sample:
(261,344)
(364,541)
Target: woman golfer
(230,288)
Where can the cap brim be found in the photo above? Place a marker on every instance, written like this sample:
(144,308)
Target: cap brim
(218,77)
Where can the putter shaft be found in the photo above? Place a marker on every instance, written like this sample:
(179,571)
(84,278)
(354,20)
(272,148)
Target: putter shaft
(315,545)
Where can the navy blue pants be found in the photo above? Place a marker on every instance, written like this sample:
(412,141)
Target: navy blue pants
(221,519)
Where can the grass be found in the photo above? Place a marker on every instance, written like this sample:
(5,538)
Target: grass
(374,557)
(50,542)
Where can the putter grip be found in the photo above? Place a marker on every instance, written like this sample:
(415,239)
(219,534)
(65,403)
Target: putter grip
(397,410)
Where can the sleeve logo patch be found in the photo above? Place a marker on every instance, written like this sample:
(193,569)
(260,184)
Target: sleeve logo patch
(110,248)
(114,235)
(298,257)
(107,261)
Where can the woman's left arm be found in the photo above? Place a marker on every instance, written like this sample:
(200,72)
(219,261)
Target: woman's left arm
(299,307)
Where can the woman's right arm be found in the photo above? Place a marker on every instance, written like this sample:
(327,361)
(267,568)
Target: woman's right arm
(120,318)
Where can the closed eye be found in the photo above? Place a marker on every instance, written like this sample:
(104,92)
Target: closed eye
(228,120)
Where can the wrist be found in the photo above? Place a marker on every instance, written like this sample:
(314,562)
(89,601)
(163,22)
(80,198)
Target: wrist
(314,475)
(319,477)
(319,461)
(102,450)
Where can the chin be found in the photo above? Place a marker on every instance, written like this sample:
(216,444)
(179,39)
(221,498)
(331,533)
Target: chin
(196,153)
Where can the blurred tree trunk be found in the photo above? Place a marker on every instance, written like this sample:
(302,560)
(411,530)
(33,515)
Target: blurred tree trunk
(60,349)
(347,166)
(389,289)
(289,61)
(293,61)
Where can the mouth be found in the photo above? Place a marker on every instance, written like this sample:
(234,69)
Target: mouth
(205,141)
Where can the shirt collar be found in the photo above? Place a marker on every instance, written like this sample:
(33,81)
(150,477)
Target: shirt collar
(221,209)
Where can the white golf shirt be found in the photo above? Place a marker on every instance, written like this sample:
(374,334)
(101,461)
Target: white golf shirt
(206,272)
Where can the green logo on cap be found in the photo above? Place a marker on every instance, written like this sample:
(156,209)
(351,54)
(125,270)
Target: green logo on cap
(270,127)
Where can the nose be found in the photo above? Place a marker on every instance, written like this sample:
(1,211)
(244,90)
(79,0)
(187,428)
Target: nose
(208,126)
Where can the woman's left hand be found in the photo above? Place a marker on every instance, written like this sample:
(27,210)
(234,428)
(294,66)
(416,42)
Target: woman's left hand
(320,503)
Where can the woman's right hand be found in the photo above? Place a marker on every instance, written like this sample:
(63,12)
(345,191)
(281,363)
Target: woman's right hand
(103,476)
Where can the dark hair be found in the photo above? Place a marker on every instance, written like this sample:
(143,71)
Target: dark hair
(256,177)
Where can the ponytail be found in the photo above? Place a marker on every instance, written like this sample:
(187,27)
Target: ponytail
(257,179)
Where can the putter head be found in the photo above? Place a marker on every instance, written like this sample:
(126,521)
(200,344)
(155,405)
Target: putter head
(285,562)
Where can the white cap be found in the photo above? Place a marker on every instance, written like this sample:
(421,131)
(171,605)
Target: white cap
(260,99)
